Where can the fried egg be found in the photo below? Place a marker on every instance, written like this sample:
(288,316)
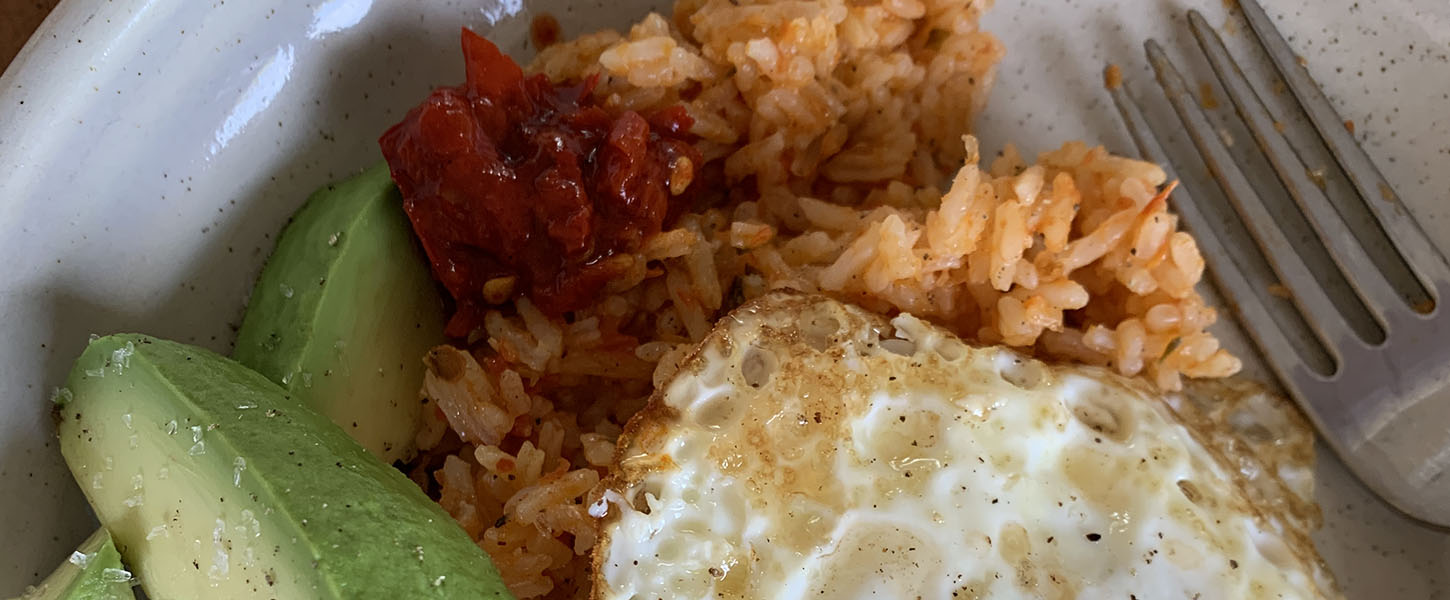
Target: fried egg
(811,449)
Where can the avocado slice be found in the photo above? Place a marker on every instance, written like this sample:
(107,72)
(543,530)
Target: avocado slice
(217,483)
(344,311)
(93,572)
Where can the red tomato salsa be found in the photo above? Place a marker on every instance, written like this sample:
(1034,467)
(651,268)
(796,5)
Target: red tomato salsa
(514,182)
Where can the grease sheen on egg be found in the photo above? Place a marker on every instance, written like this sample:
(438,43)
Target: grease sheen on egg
(812,450)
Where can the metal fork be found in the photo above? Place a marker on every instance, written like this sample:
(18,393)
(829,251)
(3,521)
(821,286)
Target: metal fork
(1384,407)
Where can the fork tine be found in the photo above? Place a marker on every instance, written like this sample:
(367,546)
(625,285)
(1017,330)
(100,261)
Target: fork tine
(1421,255)
(1343,246)
(1318,311)
(1226,275)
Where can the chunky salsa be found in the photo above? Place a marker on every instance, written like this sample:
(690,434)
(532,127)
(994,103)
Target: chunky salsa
(516,185)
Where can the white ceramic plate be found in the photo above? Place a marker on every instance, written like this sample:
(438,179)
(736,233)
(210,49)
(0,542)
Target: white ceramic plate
(149,149)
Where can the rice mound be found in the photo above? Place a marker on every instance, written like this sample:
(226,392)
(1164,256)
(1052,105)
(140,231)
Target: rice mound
(838,160)
(807,96)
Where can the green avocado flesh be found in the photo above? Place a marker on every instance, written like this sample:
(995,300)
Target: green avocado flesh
(93,572)
(344,311)
(217,483)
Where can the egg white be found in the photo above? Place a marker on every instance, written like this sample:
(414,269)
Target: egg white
(812,450)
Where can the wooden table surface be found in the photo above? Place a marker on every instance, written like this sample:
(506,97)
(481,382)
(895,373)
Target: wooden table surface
(18,18)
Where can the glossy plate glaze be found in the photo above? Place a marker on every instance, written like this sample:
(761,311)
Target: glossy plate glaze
(149,150)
